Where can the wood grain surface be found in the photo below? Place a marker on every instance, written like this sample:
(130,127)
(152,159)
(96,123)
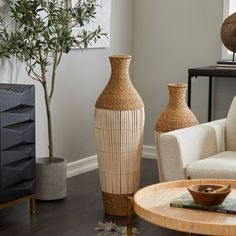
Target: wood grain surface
(152,203)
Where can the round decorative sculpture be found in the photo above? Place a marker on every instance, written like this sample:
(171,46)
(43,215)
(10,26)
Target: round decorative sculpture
(228,32)
(177,115)
(119,126)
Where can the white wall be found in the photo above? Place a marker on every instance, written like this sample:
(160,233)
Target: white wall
(170,37)
(80,79)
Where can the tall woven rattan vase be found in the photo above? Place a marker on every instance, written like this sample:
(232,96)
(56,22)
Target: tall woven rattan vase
(177,115)
(119,127)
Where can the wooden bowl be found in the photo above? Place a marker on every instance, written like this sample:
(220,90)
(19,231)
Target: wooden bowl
(208,198)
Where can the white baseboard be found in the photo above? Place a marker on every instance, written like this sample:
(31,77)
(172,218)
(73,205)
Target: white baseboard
(149,152)
(90,163)
(82,166)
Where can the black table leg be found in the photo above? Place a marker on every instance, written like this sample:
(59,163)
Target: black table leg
(189,91)
(210,98)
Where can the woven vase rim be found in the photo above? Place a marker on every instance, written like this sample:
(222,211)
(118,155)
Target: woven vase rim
(120,56)
(178,85)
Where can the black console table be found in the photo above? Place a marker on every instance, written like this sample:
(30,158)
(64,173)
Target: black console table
(210,72)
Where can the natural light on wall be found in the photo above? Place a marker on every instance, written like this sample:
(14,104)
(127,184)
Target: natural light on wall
(229,8)
(232,6)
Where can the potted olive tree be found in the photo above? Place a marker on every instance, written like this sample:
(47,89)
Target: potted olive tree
(43,31)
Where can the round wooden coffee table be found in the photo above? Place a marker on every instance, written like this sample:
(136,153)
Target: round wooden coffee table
(152,203)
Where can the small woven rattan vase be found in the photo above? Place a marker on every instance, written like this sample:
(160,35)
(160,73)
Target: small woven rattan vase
(177,115)
(119,126)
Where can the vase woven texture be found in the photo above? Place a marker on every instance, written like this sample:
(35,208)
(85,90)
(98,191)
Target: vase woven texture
(177,115)
(119,127)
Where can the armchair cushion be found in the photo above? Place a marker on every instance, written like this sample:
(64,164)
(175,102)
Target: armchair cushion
(219,166)
(231,127)
(180,148)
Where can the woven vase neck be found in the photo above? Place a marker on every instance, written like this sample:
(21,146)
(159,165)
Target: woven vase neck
(177,95)
(120,67)
(119,94)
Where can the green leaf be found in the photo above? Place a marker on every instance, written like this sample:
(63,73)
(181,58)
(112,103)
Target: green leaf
(45,27)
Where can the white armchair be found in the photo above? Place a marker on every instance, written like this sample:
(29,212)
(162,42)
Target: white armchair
(203,151)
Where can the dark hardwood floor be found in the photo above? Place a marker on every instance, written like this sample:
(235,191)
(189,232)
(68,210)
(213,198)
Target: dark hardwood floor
(78,214)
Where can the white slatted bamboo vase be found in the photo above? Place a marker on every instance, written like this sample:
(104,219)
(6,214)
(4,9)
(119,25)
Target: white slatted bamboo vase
(119,127)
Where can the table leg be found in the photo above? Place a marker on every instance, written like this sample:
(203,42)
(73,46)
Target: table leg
(189,91)
(32,205)
(210,98)
(129,216)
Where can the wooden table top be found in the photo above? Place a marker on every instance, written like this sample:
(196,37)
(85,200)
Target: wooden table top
(152,203)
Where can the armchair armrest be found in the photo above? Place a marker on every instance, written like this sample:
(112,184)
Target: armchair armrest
(181,147)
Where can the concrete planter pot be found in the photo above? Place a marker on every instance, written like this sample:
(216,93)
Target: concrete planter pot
(50,179)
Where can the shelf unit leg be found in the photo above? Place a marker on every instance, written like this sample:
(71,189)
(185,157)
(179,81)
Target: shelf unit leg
(210,99)
(189,91)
